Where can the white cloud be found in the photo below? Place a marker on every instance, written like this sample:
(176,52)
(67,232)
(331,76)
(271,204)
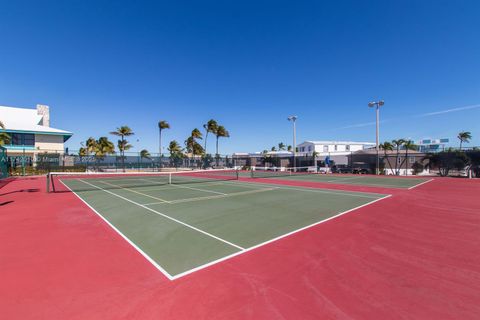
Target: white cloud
(476,106)
(429,114)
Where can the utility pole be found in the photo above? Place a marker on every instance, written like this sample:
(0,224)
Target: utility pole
(294,119)
(377,104)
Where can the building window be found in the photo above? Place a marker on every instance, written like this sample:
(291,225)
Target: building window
(310,148)
(29,139)
(347,147)
(411,159)
(16,139)
(336,147)
(23,139)
(325,148)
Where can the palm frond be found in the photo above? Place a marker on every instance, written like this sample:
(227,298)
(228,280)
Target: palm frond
(163,125)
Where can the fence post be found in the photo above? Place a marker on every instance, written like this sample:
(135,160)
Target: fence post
(23,162)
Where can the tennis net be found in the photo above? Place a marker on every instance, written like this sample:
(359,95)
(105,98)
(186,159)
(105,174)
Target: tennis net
(85,181)
(272,172)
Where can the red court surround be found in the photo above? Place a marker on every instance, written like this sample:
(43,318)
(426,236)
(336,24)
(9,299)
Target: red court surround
(412,256)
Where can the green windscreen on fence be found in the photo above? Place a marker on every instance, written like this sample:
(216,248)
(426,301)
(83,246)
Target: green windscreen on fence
(3,163)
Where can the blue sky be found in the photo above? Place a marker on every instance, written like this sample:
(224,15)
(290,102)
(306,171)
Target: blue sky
(248,64)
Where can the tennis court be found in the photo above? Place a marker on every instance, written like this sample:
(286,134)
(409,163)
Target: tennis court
(361,180)
(183,222)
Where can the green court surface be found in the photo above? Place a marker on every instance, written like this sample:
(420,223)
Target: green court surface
(360,180)
(186,227)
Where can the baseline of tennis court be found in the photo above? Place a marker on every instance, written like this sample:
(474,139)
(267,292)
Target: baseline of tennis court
(360,180)
(182,228)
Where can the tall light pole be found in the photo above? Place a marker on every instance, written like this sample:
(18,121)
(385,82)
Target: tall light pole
(293,119)
(377,104)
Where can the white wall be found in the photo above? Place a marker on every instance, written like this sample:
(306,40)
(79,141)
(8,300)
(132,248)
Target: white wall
(330,148)
(47,142)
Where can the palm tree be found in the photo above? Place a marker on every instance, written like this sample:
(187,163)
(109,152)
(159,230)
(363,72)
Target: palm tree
(144,154)
(104,147)
(175,152)
(273,149)
(220,133)
(397,144)
(82,152)
(281,146)
(174,147)
(192,145)
(90,144)
(162,125)
(408,145)
(387,146)
(197,149)
(101,148)
(4,137)
(210,126)
(289,148)
(464,136)
(196,134)
(123,145)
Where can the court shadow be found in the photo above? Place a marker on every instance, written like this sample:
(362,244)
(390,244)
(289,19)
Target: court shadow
(6,181)
(17,191)
(5,203)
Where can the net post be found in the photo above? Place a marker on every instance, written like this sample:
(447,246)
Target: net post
(48,182)
(170,178)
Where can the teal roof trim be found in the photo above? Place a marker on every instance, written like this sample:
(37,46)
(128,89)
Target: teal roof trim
(12,147)
(66,135)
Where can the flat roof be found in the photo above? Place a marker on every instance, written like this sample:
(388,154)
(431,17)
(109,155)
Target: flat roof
(336,142)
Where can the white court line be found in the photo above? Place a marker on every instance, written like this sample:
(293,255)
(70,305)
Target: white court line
(203,190)
(152,203)
(166,216)
(243,250)
(206,265)
(191,188)
(341,179)
(131,190)
(201,184)
(346,191)
(368,184)
(221,197)
(227,195)
(146,256)
(313,189)
(421,184)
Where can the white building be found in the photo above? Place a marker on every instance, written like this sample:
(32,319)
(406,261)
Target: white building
(338,151)
(30,131)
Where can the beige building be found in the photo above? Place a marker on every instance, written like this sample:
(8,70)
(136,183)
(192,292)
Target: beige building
(30,132)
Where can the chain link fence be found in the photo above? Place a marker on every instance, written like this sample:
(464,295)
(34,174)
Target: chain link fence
(3,163)
(29,162)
